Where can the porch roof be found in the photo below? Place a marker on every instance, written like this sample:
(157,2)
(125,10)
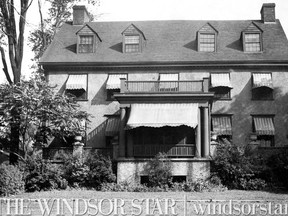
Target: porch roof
(164,114)
(113,125)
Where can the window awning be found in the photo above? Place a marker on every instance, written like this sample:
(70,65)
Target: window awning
(222,125)
(114,81)
(160,115)
(112,126)
(75,82)
(264,125)
(220,80)
(168,77)
(262,79)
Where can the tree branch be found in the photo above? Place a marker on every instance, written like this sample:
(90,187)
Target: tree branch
(5,68)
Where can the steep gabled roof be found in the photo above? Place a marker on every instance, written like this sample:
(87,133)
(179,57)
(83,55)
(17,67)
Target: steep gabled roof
(168,41)
(132,29)
(208,28)
(86,28)
(252,27)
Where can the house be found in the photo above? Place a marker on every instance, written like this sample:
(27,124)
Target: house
(166,86)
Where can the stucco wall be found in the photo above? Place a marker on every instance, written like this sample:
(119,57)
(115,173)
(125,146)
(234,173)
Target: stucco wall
(240,106)
(132,170)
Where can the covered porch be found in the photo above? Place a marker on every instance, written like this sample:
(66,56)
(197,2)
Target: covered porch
(176,122)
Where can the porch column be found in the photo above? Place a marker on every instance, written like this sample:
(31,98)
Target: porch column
(122,134)
(198,137)
(206,136)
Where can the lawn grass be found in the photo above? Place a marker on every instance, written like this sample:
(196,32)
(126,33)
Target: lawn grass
(245,199)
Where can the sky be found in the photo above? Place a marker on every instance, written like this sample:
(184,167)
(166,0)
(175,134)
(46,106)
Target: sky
(129,10)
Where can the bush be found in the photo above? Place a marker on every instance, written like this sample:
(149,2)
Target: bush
(238,168)
(159,171)
(89,171)
(42,175)
(278,169)
(11,180)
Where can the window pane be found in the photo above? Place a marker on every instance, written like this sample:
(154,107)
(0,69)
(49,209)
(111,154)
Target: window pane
(134,39)
(207,42)
(252,42)
(86,39)
(252,38)
(131,48)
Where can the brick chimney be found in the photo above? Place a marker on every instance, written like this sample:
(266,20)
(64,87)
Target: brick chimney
(80,15)
(268,13)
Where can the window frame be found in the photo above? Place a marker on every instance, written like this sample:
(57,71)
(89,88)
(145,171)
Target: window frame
(271,137)
(125,44)
(199,41)
(255,91)
(86,91)
(110,92)
(244,41)
(93,43)
(230,116)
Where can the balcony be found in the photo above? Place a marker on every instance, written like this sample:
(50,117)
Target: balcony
(193,86)
(184,150)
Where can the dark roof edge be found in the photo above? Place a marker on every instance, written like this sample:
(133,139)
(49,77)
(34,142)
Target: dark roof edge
(165,63)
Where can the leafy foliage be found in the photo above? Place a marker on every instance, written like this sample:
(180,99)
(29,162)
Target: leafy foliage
(159,171)
(42,175)
(238,168)
(89,171)
(42,112)
(11,180)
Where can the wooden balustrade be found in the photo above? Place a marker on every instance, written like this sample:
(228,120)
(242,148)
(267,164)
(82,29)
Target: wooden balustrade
(183,150)
(162,86)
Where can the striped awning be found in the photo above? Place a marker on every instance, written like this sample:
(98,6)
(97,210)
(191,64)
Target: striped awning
(220,80)
(77,82)
(262,79)
(264,125)
(114,81)
(168,77)
(112,126)
(160,115)
(222,125)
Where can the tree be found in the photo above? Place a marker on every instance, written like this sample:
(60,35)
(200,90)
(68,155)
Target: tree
(12,35)
(41,110)
(58,13)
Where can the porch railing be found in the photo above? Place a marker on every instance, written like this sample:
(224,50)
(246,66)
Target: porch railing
(183,150)
(164,86)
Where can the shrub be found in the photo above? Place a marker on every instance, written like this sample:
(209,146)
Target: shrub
(11,180)
(100,170)
(159,171)
(238,168)
(89,170)
(278,169)
(42,175)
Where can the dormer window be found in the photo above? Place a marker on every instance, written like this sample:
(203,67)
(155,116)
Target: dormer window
(206,42)
(207,37)
(88,40)
(132,43)
(86,44)
(252,39)
(252,42)
(133,40)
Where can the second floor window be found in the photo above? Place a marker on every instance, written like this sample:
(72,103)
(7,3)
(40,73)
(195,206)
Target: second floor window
(132,43)
(207,42)
(252,42)
(86,43)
